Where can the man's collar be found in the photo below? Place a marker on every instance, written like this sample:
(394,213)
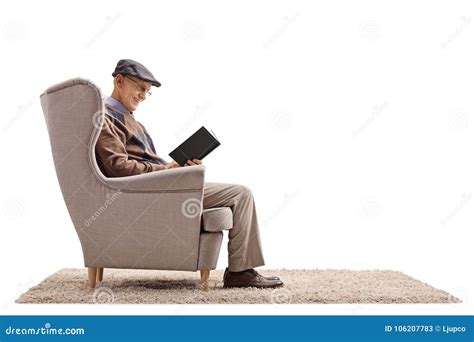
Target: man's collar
(117,105)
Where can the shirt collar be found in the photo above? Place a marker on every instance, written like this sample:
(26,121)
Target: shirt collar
(117,105)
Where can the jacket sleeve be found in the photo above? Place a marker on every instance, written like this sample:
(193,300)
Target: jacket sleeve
(110,149)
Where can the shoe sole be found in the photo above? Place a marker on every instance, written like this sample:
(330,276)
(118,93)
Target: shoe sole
(257,287)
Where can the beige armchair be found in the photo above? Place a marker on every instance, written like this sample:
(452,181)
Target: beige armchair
(149,221)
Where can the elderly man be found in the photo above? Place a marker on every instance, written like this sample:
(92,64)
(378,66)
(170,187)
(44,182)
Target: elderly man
(125,148)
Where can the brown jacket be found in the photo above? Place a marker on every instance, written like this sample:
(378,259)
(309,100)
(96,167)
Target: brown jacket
(124,147)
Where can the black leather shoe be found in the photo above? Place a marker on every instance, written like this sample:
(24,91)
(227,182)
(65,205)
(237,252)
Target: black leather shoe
(249,278)
(268,278)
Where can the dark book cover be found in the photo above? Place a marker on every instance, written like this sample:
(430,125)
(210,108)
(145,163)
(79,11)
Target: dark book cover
(197,146)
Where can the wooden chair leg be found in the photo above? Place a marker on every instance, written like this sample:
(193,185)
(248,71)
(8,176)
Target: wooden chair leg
(92,271)
(100,273)
(205,280)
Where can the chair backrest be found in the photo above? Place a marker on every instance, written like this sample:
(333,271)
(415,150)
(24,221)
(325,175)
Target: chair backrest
(74,112)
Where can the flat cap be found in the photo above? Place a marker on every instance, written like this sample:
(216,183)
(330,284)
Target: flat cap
(132,68)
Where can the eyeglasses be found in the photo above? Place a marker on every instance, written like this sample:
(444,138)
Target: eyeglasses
(140,87)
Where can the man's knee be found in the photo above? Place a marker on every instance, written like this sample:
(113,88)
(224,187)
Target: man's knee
(243,190)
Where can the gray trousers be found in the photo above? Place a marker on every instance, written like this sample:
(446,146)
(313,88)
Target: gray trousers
(244,246)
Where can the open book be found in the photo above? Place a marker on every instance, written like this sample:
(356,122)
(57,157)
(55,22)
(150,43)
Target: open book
(197,146)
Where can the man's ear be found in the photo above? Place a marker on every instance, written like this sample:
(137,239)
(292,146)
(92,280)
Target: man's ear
(118,81)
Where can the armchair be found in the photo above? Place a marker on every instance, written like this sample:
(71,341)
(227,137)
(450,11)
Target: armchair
(149,221)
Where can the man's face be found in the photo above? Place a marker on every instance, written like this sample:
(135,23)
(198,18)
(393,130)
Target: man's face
(132,91)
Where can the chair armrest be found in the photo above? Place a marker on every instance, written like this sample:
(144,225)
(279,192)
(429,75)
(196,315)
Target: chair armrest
(189,178)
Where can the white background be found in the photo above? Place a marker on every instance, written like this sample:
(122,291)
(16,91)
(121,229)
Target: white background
(351,121)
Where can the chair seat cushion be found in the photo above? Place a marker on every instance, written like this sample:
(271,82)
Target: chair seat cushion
(217,219)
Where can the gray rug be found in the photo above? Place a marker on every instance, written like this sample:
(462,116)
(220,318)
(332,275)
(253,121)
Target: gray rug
(301,287)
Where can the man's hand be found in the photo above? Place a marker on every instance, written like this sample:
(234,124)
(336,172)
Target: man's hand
(193,162)
(172,165)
